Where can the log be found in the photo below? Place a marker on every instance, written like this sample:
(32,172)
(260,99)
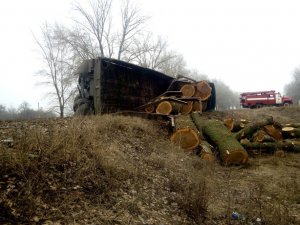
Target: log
(295,143)
(204,106)
(150,108)
(231,151)
(188,90)
(251,128)
(168,107)
(273,131)
(206,151)
(262,136)
(291,132)
(203,90)
(197,106)
(233,125)
(273,146)
(296,125)
(187,109)
(185,133)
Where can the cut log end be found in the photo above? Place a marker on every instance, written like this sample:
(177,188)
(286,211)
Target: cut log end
(197,106)
(164,108)
(186,109)
(228,122)
(150,109)
(203,90)
(186,138)
(236,157)
(188,90)
(288,129)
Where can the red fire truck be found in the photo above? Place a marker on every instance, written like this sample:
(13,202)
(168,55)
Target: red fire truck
(264,98)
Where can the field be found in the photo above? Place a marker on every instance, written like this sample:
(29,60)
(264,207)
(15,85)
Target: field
(124,170)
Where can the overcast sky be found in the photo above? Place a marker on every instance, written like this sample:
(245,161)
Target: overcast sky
(249,45)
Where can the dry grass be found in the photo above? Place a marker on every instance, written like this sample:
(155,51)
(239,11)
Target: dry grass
(122,170)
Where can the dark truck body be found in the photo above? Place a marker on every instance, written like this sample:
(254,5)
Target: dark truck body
(108,85)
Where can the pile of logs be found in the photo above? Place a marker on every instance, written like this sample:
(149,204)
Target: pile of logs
(187,97)
(231,140)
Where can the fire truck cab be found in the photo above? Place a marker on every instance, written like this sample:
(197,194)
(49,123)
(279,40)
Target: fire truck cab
(264,98)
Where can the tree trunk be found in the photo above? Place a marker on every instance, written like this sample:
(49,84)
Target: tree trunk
(185,133)
(251,128)
(231,151)
(203,90)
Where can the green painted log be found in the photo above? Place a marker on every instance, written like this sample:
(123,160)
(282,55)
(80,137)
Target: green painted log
(231,151)
(251,128)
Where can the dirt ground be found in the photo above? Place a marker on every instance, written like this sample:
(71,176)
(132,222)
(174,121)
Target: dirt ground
(122,170)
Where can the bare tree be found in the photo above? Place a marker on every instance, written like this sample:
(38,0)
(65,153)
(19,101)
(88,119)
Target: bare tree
(132,23)
(153,53)
(59,65)
(97,27)
(95,20)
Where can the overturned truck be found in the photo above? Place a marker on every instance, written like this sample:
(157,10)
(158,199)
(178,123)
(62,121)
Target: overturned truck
(108,85)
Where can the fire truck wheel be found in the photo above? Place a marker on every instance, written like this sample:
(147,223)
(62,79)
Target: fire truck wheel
(286,104)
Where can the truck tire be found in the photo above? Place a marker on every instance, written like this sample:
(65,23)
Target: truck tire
(84,109)
(82,106)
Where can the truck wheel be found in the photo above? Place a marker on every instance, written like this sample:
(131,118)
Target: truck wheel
(78,102)
(286,104)
(84,109)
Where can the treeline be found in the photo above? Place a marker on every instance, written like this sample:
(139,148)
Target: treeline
(24,111)
(292,89)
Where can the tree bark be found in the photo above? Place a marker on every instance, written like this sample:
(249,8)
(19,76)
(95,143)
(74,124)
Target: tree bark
(251,128)
(231,151)
(185,133)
